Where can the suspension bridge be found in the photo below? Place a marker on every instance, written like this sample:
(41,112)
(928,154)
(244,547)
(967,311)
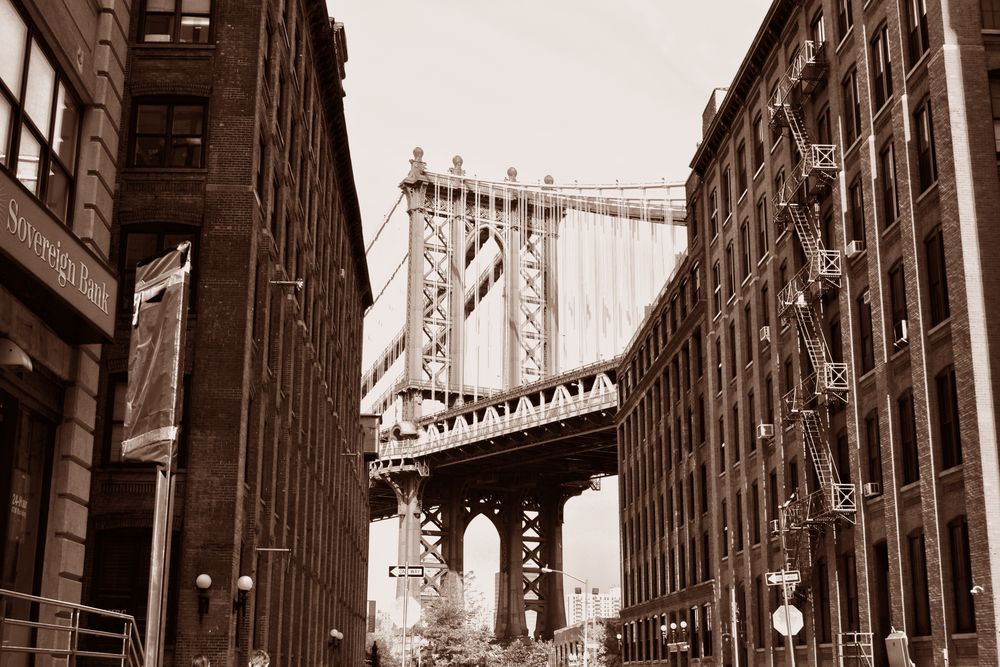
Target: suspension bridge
(497,335)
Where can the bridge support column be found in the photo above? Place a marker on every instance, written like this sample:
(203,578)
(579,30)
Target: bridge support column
(552,610)
(408,486)
(443,545)
(510,622)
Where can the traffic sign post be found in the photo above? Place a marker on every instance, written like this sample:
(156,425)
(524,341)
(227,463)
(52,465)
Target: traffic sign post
(406,570)
(783,577)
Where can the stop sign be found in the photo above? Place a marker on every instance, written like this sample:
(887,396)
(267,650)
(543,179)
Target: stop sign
(790,624)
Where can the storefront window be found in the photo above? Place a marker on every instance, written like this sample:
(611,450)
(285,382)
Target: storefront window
(39,117)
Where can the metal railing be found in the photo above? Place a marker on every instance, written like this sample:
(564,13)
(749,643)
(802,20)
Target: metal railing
(35,625)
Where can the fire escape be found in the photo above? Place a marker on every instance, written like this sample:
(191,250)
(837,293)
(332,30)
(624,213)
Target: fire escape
(823,381)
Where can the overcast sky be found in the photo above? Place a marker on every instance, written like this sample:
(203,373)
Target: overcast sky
(584,90)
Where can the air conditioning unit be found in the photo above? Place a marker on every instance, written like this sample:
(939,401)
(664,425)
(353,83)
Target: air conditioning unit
(871,489)
(765,431)
(765,334)
(866,296)
(901,333)
(855,248)
(774,525)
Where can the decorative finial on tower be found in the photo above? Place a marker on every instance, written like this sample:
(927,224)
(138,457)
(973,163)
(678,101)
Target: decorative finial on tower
(512,175)
(457,166)
(417,165)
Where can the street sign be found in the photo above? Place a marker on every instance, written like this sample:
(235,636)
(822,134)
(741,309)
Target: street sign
(406,571)
(783,577)
(790,624)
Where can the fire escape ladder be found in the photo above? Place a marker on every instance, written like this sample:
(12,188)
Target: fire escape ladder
(806,517)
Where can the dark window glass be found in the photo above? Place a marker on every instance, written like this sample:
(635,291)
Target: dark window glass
(897,300)
(822,605)
(725,530)
(924,133)
(732,350)
(703,473)
(920,602)
(741,169)
(758,142)
(866,342)
(948,419)
(713,218)
(745,243)
(961,575)
(184,21)
(908,438)
(762,243)
(169,134)
(752,421)
(817,29)
(845,18)
(730,271)
(755,512)
(739,521)
(39,116)
(849,592)
(991,14)
(748,337)
(843,454)
(717,287)
(772,495)
(937,276)
(881,66)
(887,179)
(737,445)
(852,108)
(727,194)
(994,101)
(918,40)
(873,445)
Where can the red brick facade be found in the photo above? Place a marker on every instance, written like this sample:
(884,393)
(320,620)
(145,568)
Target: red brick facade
(917,436)
(235,139)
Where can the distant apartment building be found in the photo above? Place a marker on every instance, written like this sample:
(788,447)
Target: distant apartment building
(814,391)
(599,605)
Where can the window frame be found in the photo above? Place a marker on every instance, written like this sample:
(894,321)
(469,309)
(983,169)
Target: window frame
(20,121)
(177,18)
(881,68)
(888,179)
(937,276)
(923,143)
(171,103)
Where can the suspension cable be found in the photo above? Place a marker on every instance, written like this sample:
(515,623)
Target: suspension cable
(385,221)
(387,283)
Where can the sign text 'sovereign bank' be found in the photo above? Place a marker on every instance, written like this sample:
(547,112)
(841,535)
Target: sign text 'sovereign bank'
(53,255)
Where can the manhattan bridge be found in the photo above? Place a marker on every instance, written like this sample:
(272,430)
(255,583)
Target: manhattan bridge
(502,323)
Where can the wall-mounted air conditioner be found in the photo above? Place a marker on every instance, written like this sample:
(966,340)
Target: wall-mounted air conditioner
(765,334)
(855,248)
(901,333)
(871,489)
(765,431)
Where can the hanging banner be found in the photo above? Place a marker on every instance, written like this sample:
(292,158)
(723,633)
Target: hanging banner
(156,350)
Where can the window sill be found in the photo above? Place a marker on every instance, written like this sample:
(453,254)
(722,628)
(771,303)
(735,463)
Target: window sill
(911,488)
(940,330)
(917,65)
(844,39)
(759,171)
(729,218)
(854,145)
(956,470)
(926,193)
(743,196)
(883,111)
(764,257)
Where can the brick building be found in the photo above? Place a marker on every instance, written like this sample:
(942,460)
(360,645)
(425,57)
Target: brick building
(60,86)
(235,139)
(841,207)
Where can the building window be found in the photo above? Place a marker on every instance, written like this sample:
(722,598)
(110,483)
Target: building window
(995,101)
(916,14)
(881,68)
(961,575)
(822,605)
(755,512)
(856,208)
(887,176)
(849,592)
(741,169)
(731,271)
(948,420)
(762,248)
(721,438)
(139,244)
(758,143)
(184,21)
(873,446)
(713,218)
(897,299)
(732,349)
(725,530)
(772,495)
(924,132)
(727,194)
(737,445)
(748,337)
(745,242)
(693,223)
(703,474)
(852,107)
(739,521)
(718,363)
(908,438)
(39,116)
(937,277)
(865,342)
(842,452)
(817,29)
(920,601)
(991,14)
(845,18)
(169,134)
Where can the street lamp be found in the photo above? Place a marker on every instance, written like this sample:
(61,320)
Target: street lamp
(586,617)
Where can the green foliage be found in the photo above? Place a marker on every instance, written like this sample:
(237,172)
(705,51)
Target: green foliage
(522,653)
(450,637)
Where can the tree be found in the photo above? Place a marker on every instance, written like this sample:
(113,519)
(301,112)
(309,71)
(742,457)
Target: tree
(449,635)
(522,652)
(609,648)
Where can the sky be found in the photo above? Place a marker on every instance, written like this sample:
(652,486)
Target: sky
(585,90)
